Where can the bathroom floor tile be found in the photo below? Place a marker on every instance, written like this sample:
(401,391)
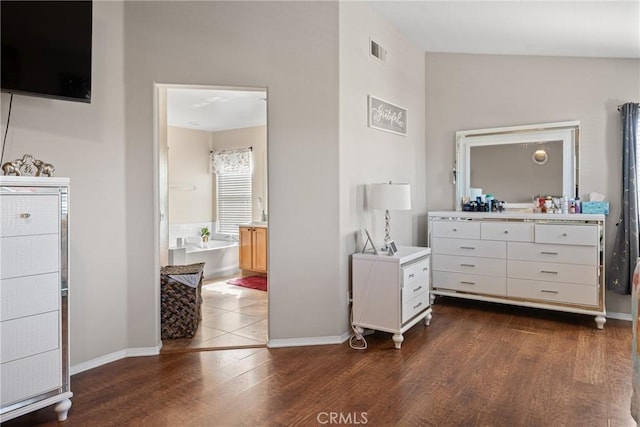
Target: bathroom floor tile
(232,316)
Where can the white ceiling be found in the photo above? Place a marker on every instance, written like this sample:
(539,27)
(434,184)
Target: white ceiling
(606,28)
(214,110)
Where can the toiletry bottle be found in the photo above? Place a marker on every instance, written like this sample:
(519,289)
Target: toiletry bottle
(578,205)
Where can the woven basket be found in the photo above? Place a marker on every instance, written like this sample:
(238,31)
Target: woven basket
(180,304)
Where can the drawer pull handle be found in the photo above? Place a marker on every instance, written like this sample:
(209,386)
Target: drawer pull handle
(25,215)
(549,253)
(411,276)
(417,289)
(417,305)
(425,269)
(467,247)
(467,283)
(467,265)
(549,292)
(548,272)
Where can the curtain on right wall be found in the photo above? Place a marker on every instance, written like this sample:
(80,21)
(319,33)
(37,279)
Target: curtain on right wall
(625,248)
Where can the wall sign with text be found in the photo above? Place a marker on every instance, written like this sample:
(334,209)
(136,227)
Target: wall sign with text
(386,116)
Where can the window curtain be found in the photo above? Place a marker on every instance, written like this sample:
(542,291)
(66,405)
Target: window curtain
(231,161)
(625,248)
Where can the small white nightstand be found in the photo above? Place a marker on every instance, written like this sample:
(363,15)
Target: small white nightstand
(391,293)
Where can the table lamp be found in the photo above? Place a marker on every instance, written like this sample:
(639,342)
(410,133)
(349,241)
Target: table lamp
(389,196)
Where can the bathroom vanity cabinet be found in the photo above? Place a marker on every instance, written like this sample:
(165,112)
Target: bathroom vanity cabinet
(253,248)
(34,293)
(550,261)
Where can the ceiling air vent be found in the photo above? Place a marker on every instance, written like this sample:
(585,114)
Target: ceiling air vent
(377,51)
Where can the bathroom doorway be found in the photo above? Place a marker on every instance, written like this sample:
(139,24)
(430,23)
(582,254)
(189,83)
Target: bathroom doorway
(212,173)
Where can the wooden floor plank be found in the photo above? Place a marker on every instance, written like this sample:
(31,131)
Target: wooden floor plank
(478,364)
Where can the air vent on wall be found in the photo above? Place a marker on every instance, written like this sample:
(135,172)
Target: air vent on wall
(377,51)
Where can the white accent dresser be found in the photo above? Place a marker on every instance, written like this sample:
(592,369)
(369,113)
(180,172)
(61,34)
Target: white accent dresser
(391,292)
(549,261)
(34,274)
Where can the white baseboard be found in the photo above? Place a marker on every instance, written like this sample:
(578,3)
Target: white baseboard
(302,342)
(620,316)
(112,357)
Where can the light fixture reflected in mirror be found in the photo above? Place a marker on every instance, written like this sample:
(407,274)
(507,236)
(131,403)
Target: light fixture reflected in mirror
(540,157)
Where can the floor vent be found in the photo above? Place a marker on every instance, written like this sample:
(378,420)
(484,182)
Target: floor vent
(377,51)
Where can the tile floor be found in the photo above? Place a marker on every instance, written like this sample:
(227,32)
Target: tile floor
(232,317)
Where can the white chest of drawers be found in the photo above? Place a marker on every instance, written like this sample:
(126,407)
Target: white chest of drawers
(33,295)
(391,293)
(549,261)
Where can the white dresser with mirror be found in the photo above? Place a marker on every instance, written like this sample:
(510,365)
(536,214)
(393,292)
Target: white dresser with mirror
(550,261)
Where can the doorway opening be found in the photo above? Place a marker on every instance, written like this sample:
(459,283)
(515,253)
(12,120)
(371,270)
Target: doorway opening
(212,194)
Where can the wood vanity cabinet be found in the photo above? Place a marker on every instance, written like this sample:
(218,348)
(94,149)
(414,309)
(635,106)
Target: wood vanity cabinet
(551,261)
(253,249)
(34,292)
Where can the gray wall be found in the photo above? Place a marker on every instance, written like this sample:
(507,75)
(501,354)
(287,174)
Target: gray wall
(481,91)
(290,48)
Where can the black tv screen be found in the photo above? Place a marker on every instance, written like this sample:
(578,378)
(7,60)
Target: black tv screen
(46,48)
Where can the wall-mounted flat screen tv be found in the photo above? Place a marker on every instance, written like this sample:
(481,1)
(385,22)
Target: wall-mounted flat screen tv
(46,48)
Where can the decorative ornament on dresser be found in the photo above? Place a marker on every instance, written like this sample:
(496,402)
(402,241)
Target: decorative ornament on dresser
(27,165)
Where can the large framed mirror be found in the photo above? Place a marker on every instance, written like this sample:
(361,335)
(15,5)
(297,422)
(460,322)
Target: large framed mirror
(515,164)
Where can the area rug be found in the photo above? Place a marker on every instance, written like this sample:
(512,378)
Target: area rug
(252,282)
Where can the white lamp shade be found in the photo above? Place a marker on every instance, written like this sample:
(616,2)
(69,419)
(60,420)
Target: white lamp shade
(390,196)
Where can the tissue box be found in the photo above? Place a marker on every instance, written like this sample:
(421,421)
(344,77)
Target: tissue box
(595,207)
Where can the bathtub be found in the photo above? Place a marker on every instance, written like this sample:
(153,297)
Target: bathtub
(220,257)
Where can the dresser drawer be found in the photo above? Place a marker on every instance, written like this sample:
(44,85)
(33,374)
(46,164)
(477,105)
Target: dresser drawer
(470,283)
(29,214)
(416,274)
(470,265)
(27,336)
(44,374)
(566,254)
(456,229)
(565,293)
(567,234)
(414,306)
(29,295)
(553,272)
(512,231)
(415,280)
(28,255)
(468,247)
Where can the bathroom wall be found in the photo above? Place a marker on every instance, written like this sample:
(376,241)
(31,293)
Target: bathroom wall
(190,178)
(255,137)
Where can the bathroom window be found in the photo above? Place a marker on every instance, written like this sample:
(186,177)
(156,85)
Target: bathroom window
(234,180)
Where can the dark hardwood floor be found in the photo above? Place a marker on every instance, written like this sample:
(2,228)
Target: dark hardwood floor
(478,364)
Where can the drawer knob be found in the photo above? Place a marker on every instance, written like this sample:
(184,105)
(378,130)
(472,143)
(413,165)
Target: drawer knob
(506,231)
(564,234)
(411,276)
(455,229)
(425,269)
(25,215)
